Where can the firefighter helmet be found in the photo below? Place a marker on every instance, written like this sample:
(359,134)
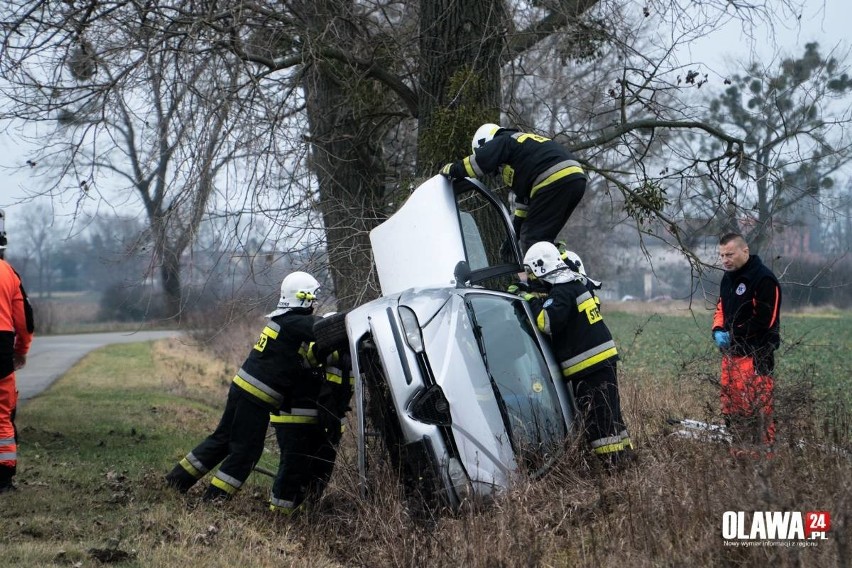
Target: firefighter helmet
(298,290)
(574,262)
(543,259)
(484,134)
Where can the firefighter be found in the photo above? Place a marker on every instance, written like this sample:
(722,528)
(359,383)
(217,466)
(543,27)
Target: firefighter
(16,334)
(746,327)
(308,435)
(266,382)
(570,314)
(546,180)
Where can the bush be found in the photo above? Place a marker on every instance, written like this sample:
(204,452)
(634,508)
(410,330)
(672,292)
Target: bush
(816,282)
(128,302)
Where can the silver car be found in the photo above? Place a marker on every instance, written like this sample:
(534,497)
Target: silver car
(454,376)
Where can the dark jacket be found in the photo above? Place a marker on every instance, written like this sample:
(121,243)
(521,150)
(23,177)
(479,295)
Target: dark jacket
(531,162)
(278,361)
(749,307)
(581,340)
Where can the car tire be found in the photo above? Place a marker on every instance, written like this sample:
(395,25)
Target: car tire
(330,333)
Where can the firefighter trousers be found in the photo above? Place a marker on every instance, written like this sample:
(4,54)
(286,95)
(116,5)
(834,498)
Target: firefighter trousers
(306,463)
(599,403)
(237,443)
(549,210)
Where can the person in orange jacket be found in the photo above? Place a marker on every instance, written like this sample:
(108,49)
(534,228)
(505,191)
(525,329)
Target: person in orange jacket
(16,334)
(746,328)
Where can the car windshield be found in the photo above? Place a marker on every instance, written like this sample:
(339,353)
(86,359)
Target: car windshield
(519,377)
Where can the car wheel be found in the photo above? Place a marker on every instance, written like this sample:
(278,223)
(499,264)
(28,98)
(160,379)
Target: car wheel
(330,332)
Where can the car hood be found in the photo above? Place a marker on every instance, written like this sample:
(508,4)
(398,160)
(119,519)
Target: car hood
(420,244)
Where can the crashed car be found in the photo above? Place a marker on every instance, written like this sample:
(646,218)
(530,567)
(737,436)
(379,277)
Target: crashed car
(454,376)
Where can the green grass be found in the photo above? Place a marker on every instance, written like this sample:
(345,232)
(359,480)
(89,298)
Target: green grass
(95,447)
(670,347)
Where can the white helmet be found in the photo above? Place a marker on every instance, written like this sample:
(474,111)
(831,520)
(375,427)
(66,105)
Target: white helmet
(298,290)
(570,257)
(543,260)
(484,134)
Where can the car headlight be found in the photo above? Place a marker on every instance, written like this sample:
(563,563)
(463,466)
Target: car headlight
(411,327)
(459,479)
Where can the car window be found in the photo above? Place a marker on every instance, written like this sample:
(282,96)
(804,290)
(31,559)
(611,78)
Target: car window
(520,376)
(484,230)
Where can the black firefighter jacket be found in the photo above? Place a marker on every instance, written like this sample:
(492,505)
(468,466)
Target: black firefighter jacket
(273,371)
(530,162)
(581,340)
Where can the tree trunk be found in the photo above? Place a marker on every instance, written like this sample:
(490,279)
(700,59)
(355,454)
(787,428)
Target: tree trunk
(460,47)
(170,276)
(345,156)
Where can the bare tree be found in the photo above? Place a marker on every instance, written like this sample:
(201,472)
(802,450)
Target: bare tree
(35,233)
(138,94)
(357,79)
(792,119)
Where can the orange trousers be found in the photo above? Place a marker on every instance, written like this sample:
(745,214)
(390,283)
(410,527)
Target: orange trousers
(8,401)
(747,399)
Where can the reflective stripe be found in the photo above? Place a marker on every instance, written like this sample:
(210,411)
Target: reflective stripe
(589,304)
(284,507)
(610,440)
(521,213)
(307,351)
(468,164)
(543,321)
(272,330)
(7,441)
(262,391)
(471,167)
(554,173)
(226,483)
(9,456)
(775,308)
(334,375)
(296,416)
(583,297)
(588,358)
(194,467)
(612,444)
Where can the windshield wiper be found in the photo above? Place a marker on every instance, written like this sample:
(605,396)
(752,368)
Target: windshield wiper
(501,403)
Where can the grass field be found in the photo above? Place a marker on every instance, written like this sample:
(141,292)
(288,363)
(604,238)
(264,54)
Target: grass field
(94,448)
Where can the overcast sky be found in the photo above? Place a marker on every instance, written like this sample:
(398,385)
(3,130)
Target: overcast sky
(825,21)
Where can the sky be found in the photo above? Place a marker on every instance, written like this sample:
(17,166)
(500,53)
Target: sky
(825,21)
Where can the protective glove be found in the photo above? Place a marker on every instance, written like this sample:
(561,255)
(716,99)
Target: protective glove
(518,288)
(445,171)
(722,339)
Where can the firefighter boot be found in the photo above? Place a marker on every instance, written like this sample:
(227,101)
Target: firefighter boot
(180,479)
(215,495)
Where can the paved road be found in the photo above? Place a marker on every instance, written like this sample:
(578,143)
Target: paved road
(52,356)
